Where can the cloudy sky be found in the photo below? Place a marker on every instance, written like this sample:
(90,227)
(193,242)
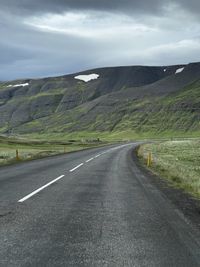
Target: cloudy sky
(47,37)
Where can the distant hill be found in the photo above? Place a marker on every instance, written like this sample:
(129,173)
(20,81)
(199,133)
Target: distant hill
(138,99)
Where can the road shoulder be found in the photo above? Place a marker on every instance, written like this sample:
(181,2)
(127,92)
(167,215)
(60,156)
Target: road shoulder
(187,204)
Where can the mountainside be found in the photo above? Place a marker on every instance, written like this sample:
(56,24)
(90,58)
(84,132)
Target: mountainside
(135,99)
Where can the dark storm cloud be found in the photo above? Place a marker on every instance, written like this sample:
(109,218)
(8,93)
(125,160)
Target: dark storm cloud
(63,5)
(51,37)
(129,6)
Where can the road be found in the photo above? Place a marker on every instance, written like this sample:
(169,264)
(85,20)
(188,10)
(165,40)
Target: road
(90,208)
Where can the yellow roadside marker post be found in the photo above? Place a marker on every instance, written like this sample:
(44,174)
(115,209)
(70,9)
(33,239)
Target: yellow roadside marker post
(17,155)
(149,159)
(150,155)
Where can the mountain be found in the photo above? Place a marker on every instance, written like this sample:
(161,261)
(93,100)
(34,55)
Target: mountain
(141,100)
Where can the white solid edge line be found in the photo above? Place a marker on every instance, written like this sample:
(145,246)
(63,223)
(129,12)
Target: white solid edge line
(40,189)
(89,160)
(76,167)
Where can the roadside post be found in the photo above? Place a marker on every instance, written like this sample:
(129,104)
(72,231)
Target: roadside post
(17,155)
(149,159)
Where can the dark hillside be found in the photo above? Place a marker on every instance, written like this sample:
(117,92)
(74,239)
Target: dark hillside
(122,98)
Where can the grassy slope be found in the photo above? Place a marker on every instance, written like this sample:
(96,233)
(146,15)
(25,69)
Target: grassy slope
(177,161)
(176,115)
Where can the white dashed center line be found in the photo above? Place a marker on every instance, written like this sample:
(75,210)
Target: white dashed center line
(60,177)
(76,167)
(89,160)
(40,189)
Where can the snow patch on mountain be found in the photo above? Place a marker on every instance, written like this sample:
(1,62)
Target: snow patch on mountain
(179,70)
(87,78)
(18,85)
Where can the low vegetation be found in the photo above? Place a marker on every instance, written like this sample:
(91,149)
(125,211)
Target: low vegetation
(34,149)
(177,161)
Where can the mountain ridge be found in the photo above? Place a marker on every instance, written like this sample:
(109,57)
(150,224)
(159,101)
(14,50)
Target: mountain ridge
(64,104)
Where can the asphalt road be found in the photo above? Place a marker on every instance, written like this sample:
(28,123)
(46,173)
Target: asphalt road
(90,208)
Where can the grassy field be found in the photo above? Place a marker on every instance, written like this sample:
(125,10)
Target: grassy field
(106,136)
(32,149)
(177,161)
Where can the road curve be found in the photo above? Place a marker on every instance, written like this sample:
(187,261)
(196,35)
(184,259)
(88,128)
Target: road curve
(90,208)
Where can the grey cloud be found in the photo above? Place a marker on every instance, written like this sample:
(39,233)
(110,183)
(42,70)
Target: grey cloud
(29,52)
(63,5)
(192,5)
(128,6)
(10,54)
(26,52)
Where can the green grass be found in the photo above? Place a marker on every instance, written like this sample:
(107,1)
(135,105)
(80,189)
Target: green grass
(52,93)
(33,149)
(106,136)
(177,161)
